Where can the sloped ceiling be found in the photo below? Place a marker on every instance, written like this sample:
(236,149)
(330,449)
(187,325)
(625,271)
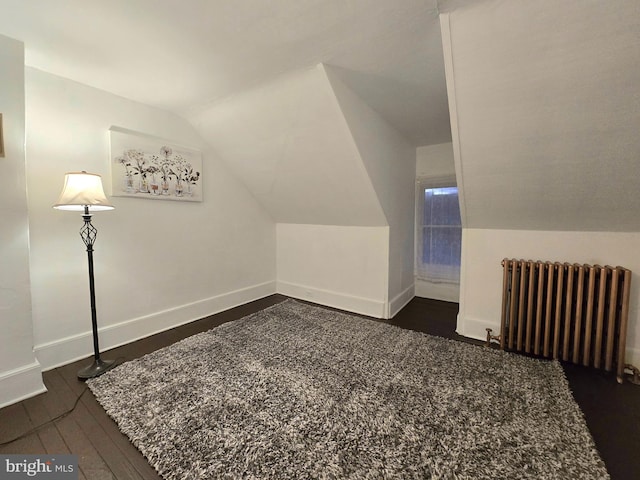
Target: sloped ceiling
(386,155)
(181,55)
(547,109)
(288,142)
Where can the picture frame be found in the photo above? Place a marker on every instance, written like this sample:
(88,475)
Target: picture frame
(1,138)
(149,167)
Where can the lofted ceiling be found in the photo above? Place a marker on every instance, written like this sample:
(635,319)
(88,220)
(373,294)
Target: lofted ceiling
(181,56)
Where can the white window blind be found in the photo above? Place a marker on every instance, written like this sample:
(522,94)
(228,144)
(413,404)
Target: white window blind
(439,231)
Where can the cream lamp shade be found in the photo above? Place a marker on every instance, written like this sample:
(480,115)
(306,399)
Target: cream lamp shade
(82,189)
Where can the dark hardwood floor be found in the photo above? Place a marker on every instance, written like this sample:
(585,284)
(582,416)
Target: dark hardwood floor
(612,411)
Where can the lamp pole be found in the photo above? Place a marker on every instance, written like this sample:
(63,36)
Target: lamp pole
(88,234)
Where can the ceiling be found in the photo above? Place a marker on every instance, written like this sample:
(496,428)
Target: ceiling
(548,114)
(182,56)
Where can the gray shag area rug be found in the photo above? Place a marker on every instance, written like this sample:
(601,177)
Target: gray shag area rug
(301,392)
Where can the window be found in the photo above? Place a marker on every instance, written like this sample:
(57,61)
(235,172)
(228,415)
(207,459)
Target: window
(439,232)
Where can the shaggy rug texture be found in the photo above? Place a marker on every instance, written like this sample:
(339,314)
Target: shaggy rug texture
(301,392)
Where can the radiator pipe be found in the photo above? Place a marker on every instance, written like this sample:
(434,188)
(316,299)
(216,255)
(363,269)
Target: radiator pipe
(491,337)
(635,373)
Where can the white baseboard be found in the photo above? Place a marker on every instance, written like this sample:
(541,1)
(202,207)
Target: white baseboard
(66,350)
(21,383)
(400,300)
(350,303)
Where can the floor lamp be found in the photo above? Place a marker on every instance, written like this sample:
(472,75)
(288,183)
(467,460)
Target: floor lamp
(83,192)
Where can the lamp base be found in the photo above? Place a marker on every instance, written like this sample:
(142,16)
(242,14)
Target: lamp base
(96,369)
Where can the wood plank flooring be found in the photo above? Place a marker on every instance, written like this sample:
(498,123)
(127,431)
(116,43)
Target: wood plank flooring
(612,411)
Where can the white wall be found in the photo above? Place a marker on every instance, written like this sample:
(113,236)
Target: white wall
(481,276)
(390,163)
(157,263)
(319,159)
(435,161)
(19,370)
(343,267)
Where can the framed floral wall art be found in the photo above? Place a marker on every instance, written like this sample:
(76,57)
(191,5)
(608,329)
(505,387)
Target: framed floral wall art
(144,166)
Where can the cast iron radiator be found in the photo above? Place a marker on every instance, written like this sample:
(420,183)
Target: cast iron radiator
(575,313)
